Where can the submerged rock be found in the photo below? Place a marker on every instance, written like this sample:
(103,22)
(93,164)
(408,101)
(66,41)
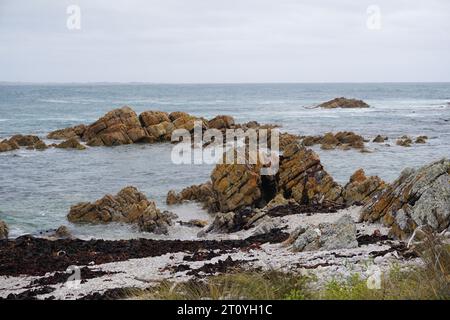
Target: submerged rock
(128,205)
(418,197)
(326,236)
(4,230)
(421,139)
(361,189)
(343,103)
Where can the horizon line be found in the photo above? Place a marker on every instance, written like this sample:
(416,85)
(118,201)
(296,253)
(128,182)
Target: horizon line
(209,83)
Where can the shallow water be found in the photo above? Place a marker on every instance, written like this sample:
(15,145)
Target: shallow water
(37,188)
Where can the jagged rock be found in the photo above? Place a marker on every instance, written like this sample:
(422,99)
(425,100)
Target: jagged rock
(379,139)
(326,236)
(404,141)
(286,139)
(4,230)
(418,197)
(119,126)
(129,205)
(360,189)
(303,178)
(160,132)
(71,143)
(202,193)
(236,185)
(343,103)
(67,133)
(421,139)
(221,122)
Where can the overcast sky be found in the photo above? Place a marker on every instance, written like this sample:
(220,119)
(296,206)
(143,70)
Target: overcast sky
(198,41)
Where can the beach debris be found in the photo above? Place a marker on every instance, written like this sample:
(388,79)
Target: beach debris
(418,197)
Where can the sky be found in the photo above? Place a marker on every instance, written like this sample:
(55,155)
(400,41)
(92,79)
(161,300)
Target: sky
(218,41)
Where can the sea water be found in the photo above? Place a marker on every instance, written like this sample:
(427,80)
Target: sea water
(37,188)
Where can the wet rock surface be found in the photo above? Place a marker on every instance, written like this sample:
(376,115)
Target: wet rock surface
(343,103)
(68,133)
(418,197)
(71,143)
(17,141)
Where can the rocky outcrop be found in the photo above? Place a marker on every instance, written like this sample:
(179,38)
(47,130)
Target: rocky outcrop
(119,126)
(68,133)
(361,189)
(129,206)
(202,193)
(418,197)
(343,140)
(18,140)
(303,178)
(379,139)
(343,103)
(421,139)
(71,143)
(236,185)
(4,230)
(404,141)
(326,236)
(6,145)
(221,122)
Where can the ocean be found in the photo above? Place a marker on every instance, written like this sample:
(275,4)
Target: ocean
(37,188)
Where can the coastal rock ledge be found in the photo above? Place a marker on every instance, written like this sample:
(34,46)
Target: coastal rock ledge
(418,198)
(129,206)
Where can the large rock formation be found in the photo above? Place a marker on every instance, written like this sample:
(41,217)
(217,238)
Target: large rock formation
(303,178)
(221,122)
(129,206)
(119,126)
(361,189)
(418,197)
(326,236)
(4,230)
(343,103)
(236,185)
